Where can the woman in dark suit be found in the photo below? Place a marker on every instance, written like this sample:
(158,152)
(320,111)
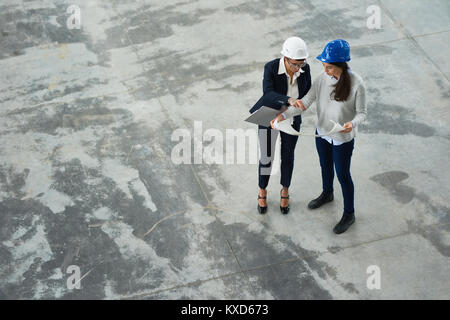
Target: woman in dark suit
(286,80)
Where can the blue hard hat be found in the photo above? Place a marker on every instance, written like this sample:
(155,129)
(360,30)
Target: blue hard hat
(335,51)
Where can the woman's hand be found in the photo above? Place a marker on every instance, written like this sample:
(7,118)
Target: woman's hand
(299,104)
(279,118)
(347,127)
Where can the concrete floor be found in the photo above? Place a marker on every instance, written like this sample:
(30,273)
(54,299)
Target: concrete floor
(87,178)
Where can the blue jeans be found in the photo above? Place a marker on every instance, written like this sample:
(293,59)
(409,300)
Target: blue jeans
(340,156)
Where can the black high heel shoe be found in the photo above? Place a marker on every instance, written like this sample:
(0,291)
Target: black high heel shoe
(284,210)
(262,210)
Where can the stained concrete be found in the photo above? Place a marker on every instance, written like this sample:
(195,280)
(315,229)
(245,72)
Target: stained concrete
(87,178)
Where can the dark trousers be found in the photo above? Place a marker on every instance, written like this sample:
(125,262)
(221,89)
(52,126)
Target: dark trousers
(341,156)
(267,138)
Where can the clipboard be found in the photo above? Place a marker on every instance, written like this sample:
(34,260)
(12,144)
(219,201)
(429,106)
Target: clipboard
(263,116)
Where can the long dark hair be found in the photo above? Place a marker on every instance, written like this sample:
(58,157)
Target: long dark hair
(342,87)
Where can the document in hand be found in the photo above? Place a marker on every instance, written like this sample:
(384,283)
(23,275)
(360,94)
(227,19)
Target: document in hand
(286,127)
(336,128)
(263,116)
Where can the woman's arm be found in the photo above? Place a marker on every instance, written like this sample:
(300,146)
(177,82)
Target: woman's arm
(304,103)
(360,105)
(272,97)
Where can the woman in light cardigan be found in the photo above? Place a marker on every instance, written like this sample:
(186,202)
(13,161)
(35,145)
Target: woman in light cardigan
(340,96)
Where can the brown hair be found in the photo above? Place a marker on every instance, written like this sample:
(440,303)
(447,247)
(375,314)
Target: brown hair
(343,86)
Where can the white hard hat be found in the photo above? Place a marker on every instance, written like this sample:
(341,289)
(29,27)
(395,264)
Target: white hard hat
(295,48)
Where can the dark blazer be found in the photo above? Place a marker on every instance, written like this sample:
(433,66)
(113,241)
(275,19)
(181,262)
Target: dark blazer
(275,88)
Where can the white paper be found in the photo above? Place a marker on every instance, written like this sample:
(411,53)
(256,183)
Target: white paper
(336,128)
(286,127)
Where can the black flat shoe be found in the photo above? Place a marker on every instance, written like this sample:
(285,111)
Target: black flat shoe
(284,210)
(262,210)
(346,221)
(321,200)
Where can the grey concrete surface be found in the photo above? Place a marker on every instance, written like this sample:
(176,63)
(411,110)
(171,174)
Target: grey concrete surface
(87,178)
